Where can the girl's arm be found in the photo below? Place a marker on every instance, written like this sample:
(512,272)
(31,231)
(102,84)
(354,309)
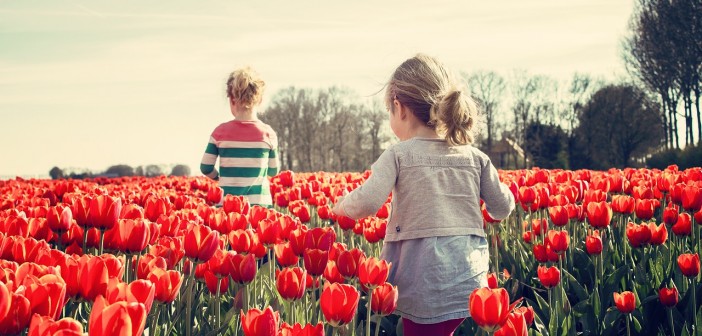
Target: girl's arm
(207,166)
(365,200)
(499,201)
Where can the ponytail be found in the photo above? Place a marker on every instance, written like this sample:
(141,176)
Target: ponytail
(454,115)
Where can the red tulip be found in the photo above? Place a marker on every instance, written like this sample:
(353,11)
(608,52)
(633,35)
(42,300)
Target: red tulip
(212,281)
(17,319)
(559,215)
(683,227)
(214,195)
(599,214)
(132,235)
(94,277)
(549,276)
(46,294)
(384,299)
(46,326)
(593,243)
(139,291)
(558,240)
(528,313)
(348,262)
(645,208)
(689,264)
(148,263)
(201,243)
(346,223)
(489,308)
(299,330)
(692,198)
(492,280)
(625,302)
(291,283)
(331,272)
(320,238)
(241,241)
(339,303)
(260,323)
(670,214)
(284,254)
(515,325)
(315,261)
(668,296)
(104,212)
(5,300)
(235,204)
(639,235)
(154,207)
(659,234)
(59,219)
(119,318)
(243,268)
(167,284)
(373,272)
(286,178)
(623,204)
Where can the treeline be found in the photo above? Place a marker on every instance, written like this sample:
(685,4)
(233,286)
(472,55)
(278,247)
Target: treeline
(664,53)
(589,124)
(122,170)
(330,129)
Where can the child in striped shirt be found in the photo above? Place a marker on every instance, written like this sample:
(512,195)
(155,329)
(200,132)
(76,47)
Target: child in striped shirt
(247,148)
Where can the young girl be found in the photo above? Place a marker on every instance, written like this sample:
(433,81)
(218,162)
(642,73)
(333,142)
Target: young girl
(435,238)
(247,147)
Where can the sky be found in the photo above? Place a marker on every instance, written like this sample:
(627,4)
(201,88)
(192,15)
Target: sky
(90,84)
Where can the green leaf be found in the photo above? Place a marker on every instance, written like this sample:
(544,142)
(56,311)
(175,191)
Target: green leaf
(611,318)
(543,306)
(580,292)
(596,303)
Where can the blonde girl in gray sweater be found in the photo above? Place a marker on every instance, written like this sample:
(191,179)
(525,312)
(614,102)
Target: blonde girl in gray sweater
(435,238)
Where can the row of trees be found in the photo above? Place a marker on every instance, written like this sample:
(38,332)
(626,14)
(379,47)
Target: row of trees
(121,170)
(590,125)
(329,129)
(664,53)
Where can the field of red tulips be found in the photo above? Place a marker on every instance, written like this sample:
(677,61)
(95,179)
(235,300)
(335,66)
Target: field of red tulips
(586,252)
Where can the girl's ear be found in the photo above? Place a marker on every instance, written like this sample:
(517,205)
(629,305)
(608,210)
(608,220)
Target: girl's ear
(402,110)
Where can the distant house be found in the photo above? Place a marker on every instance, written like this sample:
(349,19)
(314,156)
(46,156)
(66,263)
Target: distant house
(507,154)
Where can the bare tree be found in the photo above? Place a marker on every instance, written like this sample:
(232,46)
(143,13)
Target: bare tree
(488,88)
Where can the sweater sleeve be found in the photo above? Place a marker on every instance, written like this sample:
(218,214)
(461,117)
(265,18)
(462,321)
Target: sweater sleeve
(371,195)
(499,201)
(207,165)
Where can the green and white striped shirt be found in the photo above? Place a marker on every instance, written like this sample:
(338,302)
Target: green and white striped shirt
(248,154)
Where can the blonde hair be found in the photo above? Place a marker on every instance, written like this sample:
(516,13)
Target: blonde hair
(246,86)
(435,97)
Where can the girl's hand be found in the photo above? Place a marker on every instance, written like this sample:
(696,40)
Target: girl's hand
(337,210)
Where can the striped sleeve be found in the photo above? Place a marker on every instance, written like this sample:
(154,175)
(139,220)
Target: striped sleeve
(273,162)
(207,165)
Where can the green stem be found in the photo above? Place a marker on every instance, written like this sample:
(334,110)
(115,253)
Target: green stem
(368,311)
(154,320)
(219,283)
(694,305)
(377,325)
(127,262)
(85,239)
(628,328)
(670,320)
(102,239)
(189,302)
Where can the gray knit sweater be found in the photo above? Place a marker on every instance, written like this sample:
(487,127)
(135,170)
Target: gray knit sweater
(436,190)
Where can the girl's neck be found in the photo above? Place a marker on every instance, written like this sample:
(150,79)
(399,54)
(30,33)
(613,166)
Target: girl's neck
(243,114)
(421,131)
